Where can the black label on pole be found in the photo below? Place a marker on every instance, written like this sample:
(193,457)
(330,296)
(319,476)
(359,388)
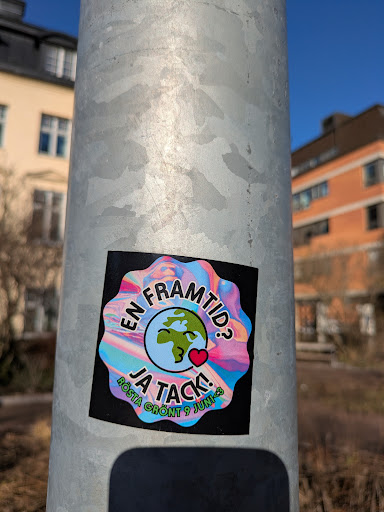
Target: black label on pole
(175,344)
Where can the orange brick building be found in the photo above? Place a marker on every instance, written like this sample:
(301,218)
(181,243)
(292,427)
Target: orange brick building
(338,228)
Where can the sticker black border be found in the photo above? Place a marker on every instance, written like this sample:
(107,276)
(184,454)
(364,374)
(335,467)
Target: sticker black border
(234,419)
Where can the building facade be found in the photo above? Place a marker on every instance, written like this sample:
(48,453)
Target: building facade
(338,227)
(37,74)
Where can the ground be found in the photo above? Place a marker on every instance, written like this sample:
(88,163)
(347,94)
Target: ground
(341,444)
(24,452)
(341,439)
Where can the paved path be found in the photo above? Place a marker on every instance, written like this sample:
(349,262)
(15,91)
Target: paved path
(19,417)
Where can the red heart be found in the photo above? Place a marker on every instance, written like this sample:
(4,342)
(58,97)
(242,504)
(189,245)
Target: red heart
(198,357)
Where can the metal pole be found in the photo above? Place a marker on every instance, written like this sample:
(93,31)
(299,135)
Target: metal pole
(179,190)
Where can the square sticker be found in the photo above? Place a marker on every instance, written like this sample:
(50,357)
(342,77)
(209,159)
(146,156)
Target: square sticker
(175,344)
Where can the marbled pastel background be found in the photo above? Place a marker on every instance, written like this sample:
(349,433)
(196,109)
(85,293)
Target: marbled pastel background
(123,351)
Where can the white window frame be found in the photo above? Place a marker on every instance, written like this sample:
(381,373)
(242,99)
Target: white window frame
(378,166)
(72,74)
(61,53)
(40,313)
(47,216)
(298,199)
(54,131)
(379,207)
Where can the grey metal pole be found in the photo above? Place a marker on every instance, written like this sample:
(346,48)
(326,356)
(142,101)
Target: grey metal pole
(179,190)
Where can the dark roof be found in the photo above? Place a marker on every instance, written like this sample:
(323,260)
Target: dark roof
(342,134)
(23,49)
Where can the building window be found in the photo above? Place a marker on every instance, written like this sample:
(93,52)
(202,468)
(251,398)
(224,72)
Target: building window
(376,257)
(302,200)
(375,216)
(314,161)
(61,62)
(54,136)
(41,310)
(3,118)
(304,234)
(298,272)
(48,216)
(374,173)
(367,319)
(306,319)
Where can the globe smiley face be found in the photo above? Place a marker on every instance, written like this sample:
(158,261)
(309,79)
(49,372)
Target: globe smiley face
(171,335)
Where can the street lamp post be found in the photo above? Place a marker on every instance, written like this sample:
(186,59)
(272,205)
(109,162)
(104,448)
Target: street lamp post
(175,366)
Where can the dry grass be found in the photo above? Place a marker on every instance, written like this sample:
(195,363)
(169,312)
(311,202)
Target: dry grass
(24,469)
(334,480)
(341,442)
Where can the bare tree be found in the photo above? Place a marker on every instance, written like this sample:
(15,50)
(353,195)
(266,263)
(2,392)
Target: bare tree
(23,263)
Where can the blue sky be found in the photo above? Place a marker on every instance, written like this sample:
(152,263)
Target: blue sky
(335,55)
(335,60)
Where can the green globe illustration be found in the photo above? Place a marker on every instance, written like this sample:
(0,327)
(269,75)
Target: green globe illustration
(170,335)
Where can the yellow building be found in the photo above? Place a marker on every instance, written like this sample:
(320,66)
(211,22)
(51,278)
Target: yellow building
(37,72)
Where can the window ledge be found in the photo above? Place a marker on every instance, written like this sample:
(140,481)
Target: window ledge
(40,153)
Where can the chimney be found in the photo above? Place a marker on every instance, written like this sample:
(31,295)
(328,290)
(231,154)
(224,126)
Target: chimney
(12,9)
(332,122)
